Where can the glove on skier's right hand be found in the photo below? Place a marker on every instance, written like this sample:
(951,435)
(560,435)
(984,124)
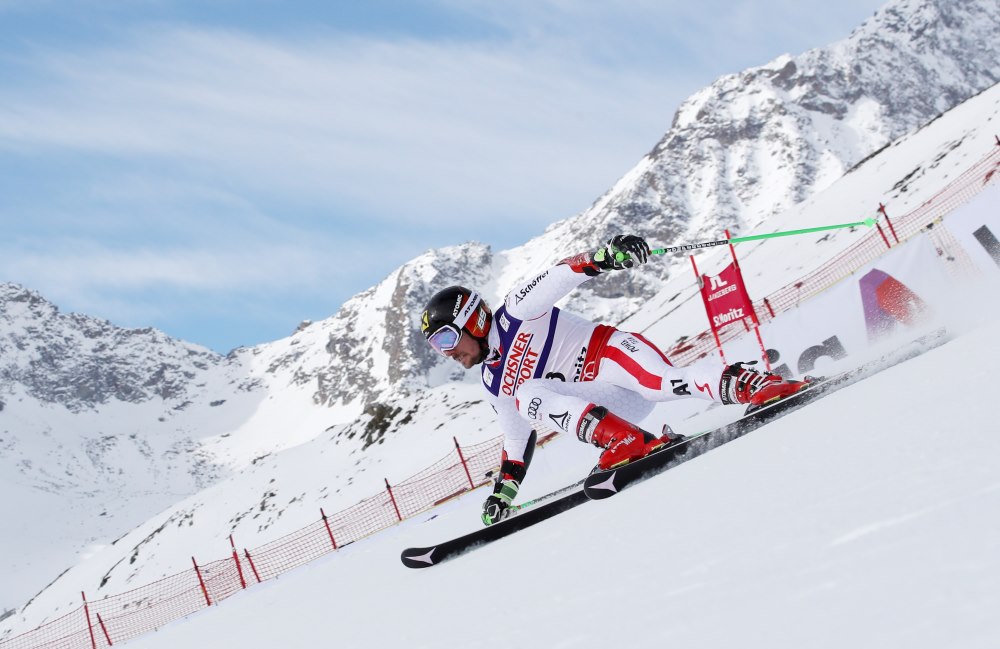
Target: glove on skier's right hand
(497,505)
(622,251)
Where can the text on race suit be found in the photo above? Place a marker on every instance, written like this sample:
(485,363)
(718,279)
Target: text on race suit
(520,365)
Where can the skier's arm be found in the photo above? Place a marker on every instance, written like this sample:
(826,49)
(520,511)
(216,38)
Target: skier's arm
(535,297)
(622,251)
(518,446)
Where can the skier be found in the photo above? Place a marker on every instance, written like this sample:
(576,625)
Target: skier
(545,365)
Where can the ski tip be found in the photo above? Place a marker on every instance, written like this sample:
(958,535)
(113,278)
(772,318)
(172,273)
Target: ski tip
(418,557)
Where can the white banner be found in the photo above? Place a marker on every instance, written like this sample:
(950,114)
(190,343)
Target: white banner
(976,225)
(896,294)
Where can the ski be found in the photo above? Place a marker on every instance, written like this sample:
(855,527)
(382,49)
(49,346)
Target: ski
(604,484)
(607,483)
(522,516)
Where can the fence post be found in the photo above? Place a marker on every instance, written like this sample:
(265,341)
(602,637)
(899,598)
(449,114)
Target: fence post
(393,499)
(252,567)
(105,629)
(236,558)
(881,208)
(333,541)
(465,466)
(884,238)
(90,626)
(770,310)
(201,581)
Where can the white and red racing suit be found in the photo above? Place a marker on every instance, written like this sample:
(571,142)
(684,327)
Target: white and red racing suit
(549,366)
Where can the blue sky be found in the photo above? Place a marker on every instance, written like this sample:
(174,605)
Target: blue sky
(224,169)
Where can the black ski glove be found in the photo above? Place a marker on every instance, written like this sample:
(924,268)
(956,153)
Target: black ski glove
(497,505)
(622,251)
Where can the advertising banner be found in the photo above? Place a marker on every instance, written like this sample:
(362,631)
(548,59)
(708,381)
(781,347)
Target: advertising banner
(727,302)
(902,292)
(725,297)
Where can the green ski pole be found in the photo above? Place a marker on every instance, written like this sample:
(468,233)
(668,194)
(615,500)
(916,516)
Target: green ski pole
(621,256)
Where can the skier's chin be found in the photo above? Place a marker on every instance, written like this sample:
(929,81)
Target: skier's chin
(468,362)
(483,352)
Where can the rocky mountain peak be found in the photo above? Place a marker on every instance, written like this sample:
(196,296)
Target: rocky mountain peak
(755,143)
(743,149)
(82,362)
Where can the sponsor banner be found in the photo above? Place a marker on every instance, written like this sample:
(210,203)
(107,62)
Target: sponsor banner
(901,292)
(725,297)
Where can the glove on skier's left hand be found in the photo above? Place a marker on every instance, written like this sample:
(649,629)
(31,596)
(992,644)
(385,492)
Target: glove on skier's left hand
(497,505)
(622,251)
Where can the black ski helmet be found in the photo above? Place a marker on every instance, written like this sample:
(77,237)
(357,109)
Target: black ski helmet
(463,309)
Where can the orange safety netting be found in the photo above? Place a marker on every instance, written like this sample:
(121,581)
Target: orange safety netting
(869,248)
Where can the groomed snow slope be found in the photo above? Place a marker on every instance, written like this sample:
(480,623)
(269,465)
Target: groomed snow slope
(868,519)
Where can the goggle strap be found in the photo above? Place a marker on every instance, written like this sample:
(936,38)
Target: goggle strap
(467,311)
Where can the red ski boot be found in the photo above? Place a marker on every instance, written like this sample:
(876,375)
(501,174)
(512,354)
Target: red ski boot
(623,442)
(744,385)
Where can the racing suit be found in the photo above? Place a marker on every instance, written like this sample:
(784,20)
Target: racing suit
(547,366)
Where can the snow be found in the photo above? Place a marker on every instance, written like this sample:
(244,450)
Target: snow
(869,519)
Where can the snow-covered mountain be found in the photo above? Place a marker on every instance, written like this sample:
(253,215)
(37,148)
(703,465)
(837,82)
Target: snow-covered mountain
(82,363)
(746,148)
(129,435)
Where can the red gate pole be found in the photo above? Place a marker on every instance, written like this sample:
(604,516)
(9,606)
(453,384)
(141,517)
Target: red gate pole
(753,311)
(884,238)
(252,567)
(881,208)
(201,581)
(328,530)
(770,309)
(105,629)
(393,498)
(464,464)
(701,283)
(236,558)
(90,626)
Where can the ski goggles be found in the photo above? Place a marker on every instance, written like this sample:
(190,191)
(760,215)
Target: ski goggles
(445,338)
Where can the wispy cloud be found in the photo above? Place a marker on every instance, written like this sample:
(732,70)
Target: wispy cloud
(413,129)
(233,162)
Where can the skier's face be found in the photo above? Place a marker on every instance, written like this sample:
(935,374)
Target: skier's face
(466,352)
